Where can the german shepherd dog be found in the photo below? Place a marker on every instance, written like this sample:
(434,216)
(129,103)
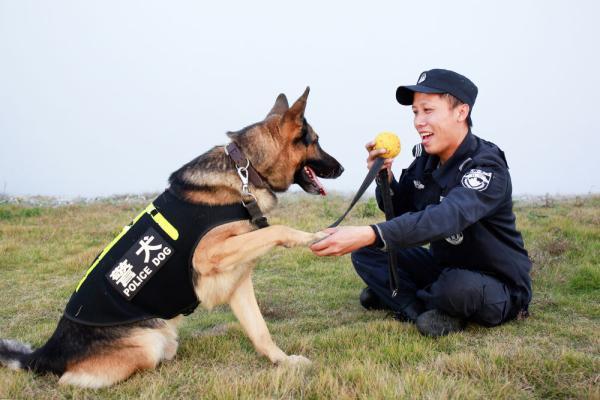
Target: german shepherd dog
(283,149)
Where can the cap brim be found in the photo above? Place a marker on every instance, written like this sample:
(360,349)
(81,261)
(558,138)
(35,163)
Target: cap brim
(405,94)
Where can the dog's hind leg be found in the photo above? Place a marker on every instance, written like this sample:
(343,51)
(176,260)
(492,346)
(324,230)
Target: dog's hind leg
(244,306)
(143,349)
(105,369)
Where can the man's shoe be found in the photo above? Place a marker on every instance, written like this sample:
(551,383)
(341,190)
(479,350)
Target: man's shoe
(369,300)
(435,323)
(410,313)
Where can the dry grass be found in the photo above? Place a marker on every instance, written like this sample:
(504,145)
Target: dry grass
(311,307)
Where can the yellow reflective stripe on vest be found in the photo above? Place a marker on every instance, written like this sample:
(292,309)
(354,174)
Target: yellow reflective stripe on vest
(162,222)
(156,216)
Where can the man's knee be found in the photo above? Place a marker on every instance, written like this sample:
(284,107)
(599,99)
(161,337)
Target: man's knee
(496,304)
(469,295)
(456,292)
(458,285)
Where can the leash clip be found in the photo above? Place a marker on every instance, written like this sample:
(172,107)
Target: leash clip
(249,200)
(243,174)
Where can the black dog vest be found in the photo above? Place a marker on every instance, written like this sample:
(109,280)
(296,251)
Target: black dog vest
(146,271)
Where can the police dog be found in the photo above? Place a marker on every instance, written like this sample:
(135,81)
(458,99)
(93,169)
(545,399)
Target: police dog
(283,149)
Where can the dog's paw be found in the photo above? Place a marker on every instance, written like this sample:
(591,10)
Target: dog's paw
(294,360)
(311,238)
(296,238)
(317,237)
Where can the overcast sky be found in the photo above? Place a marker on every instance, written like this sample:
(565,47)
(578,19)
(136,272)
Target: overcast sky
(109,97)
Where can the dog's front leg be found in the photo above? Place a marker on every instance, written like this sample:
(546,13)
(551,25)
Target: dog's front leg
(244,306)
(229,252)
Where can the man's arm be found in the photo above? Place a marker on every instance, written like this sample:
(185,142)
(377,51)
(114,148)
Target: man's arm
(462,207)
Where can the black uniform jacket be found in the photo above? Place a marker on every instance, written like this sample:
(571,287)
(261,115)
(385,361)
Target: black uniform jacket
(464,209)
(146,272)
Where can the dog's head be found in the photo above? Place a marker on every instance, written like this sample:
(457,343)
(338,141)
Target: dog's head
(285,149)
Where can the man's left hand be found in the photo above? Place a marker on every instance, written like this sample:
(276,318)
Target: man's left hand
(343,240)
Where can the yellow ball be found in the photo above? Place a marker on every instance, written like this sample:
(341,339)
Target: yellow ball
(388,141)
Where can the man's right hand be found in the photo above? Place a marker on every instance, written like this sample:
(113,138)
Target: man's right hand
(374,154)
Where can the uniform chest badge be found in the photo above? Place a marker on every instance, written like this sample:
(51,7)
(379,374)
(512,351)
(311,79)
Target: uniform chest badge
(418,184)
(476,179)
(455,239)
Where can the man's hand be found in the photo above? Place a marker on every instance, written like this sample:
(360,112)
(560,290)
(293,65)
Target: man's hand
(374,154)
(343,240)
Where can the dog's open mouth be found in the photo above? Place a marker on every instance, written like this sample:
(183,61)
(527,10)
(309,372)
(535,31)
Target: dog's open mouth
(307,179)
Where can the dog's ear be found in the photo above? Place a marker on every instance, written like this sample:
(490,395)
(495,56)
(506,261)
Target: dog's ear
(295,115)
(280,106)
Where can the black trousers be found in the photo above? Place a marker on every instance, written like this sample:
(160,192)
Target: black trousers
(462,293)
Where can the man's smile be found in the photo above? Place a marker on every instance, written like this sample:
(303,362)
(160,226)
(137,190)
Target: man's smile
(426,137)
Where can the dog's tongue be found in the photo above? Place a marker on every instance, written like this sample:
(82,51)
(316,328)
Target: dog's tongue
(315,180)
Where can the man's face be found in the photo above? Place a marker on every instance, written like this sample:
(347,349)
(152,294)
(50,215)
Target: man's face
(441,127)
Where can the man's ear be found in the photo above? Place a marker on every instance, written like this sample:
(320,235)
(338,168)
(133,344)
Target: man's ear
(463,112)
(294,117)
(280,106)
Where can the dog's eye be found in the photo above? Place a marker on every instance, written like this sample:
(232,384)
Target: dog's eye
(305,140)
(305,135)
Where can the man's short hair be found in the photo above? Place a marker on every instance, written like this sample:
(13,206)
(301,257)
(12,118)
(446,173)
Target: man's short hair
(455,102)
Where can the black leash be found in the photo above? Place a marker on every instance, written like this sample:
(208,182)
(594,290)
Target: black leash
(389,214)
(366,183)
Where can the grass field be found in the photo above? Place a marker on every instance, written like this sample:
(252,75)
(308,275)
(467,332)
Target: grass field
(311,307)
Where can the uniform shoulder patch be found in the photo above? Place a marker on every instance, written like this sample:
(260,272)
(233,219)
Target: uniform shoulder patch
(476,179)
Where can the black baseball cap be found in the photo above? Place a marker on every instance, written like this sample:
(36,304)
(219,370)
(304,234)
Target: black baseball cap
(439,81)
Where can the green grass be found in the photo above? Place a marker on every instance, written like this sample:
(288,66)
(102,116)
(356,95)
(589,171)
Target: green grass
(311,307)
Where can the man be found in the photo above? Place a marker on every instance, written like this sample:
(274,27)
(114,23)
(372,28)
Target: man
(456,196)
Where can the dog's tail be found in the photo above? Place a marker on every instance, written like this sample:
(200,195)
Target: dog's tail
(14,354)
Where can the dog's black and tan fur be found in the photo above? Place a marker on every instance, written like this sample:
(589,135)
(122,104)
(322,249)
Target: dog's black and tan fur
(279,148)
